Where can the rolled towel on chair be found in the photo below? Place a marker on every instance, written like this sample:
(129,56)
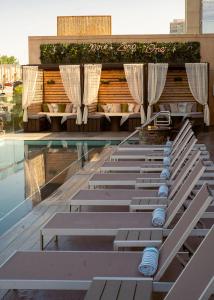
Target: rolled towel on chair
(165,173)
(149,262)
(169,143)
(163,191)
(166,161)
(167,151)
(158,217)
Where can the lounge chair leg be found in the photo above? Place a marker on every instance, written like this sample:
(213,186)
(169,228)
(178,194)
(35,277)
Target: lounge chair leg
(115,247)
(41,241)
(70,208)
(74,208)
(56,239)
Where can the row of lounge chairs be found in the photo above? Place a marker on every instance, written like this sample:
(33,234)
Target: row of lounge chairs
(187,203)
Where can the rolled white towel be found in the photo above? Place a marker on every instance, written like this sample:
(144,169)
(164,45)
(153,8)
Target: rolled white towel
(165,174)
(169,143)
(163,191)
(167,151)
(158,217)
(166,161)
(149,262)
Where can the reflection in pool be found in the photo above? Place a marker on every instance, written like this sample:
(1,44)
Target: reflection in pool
(32,170)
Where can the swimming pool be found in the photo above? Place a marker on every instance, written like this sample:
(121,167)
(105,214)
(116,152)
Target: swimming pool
(31,170)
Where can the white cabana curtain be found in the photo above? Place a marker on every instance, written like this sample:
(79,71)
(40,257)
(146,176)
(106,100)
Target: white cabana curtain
(70,75)
(156,81)
(30,74)
(134,76)
(198,82)
(92,74)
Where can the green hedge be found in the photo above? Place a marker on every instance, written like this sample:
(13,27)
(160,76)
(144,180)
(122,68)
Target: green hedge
(137,52)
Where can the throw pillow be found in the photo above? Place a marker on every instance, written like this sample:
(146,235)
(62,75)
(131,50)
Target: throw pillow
(109,107)
(162,107)
(61,107)
(54,107)
(131,107)
(68,108)
(167,106)
(45,107)
(173,107)
(50,107)
(116,108)
(182,107)
(137,108)
(99,107)
(105,108)
(124,107)
(189,107)
(194,107)
(74,110)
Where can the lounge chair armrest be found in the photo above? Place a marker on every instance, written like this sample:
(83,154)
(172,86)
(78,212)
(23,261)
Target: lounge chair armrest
(150,198)
(152,166)
(152,180)
(138,237)
(208,163)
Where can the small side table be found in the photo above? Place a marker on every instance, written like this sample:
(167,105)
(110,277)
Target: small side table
(56,123)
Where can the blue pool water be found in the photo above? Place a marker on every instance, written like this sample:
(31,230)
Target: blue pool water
(31,170)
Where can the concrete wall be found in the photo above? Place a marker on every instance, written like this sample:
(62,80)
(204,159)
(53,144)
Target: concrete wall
(206,42)
(193,16)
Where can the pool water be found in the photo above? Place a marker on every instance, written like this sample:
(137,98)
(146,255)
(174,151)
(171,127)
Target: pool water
(32,170)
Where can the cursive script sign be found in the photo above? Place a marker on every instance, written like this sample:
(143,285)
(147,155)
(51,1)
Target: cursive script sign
(152,48)
(127,48)
(123,47)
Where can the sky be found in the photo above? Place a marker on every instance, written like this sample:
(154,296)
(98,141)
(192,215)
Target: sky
(22,18)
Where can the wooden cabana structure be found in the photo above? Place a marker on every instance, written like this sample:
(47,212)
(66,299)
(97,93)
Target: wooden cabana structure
(117,102)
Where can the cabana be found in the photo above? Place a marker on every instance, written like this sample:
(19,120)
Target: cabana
(119,95)
(180,89)
(111,96)
(51,95)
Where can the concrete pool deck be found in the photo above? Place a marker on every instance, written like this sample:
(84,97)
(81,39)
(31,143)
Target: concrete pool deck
(105,135)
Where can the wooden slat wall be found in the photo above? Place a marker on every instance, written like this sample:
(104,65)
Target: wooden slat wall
(116,91)
(177,91)
(34,108)
(54,93)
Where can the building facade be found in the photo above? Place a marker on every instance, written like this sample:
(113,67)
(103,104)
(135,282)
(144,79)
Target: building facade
(199,16)
(207,15)
(177,26)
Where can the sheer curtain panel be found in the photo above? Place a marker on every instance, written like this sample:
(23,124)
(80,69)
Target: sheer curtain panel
(197,74)
(156,81)
(70,75)
(135,77)
(30,74)
(92,74)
